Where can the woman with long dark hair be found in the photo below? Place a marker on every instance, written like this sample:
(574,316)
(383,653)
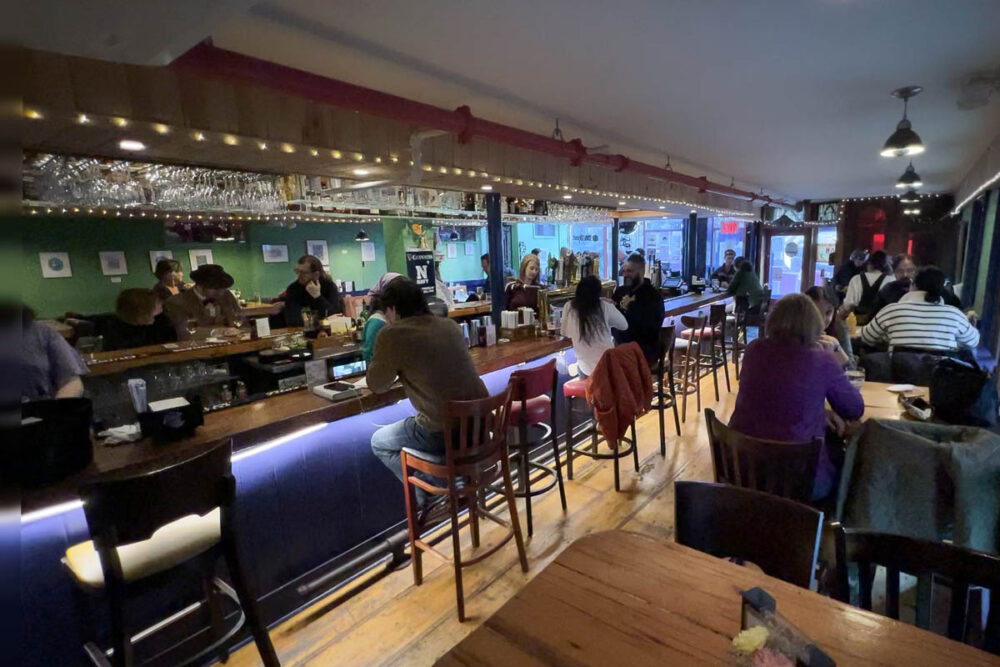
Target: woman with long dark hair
(835,336)
(588,320)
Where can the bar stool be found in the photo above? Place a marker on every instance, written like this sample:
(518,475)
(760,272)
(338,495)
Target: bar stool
(715,334)
(574,390)
(148,527)
(665,399)
(533,393)
(475,439)
(738,326)
(689,379)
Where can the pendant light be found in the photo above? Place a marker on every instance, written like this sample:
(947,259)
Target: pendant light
(361,236)
(909,179)
(904,141)
(909,197)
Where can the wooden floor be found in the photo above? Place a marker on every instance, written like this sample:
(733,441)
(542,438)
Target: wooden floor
(396,623)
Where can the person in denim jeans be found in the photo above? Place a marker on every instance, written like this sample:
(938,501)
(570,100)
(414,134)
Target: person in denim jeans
(429,356)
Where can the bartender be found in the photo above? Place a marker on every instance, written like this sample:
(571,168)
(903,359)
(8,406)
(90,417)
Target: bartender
(724,274)
(208,304)
(523,292)
(312,289)
(47,367)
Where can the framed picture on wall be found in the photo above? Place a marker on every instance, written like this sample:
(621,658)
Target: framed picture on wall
(55,265)
(113,263)
(200,257)
(156,255)
(319,250)
(274,254)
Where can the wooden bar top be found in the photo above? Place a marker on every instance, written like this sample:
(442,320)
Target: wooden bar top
(267,419)
(681,305)
(116,361)
(470,309)
(618,598)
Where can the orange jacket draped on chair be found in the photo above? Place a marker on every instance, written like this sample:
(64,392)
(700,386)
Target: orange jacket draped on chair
(620,389)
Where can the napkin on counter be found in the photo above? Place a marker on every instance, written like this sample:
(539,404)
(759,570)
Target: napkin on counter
(120,434)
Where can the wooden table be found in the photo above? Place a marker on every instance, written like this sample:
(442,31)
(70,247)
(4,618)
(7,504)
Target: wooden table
(880,403)
(618,598)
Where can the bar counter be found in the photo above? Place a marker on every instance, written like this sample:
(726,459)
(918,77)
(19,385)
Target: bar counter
(682,305)
(261,420)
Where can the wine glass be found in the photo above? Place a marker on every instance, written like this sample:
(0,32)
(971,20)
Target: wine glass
(192,326)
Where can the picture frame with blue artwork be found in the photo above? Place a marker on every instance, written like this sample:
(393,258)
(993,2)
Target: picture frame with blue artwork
(113,263)
(55,265)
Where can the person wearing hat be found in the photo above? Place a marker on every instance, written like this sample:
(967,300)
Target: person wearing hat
(209,303)
(377,319)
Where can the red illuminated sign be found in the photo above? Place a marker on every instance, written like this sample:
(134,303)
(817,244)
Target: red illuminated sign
(730,227)
(878,242)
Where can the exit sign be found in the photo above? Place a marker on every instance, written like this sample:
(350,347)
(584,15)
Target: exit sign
(730,227)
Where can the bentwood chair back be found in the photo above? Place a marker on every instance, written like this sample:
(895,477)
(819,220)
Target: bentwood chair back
(957,566)
(145,525)
(475,436)
(778,535)
(665,392)
(689,380)
(785,469)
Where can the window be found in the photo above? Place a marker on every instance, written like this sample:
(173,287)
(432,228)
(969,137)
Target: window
(826,243)
(724,235)
(664,241)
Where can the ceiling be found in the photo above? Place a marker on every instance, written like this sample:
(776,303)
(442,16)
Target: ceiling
(791,96)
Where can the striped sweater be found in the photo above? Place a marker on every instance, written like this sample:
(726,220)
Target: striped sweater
(912,322)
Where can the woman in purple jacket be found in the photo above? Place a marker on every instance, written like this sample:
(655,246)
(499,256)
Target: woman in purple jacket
(786,379)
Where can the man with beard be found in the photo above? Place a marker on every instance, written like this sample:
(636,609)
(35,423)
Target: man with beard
(642,305)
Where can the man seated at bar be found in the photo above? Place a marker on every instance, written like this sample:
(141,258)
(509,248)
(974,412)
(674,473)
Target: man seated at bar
(47,366)
(139,320)
(523,292)
(312,289)
(169,279)
(724,274)
(429,356)
(642,305)
(206,305)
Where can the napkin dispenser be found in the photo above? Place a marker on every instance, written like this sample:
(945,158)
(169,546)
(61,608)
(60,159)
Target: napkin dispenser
(172,419)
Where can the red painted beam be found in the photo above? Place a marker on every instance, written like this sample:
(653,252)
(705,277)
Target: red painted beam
(214,62)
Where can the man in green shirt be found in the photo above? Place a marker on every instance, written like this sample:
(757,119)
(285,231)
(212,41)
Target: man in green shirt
(430,357)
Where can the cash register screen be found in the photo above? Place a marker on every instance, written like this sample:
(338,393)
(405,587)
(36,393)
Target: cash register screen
(347,370)
(672,282)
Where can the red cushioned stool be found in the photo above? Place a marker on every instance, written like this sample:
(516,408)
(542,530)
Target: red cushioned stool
(533,393)
(574,391)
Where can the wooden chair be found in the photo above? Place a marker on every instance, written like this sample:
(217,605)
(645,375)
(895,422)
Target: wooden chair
(785,469)
(148,529)
(688,378)
(779,535)
(533,395)
(897,553)
(576,390)
(715,334)
(665,396)
(475,436)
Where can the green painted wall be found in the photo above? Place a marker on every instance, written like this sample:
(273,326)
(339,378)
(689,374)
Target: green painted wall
(88,291)
(398,239)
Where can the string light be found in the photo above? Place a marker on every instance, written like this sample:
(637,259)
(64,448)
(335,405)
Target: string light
(231,140)
(198,136)
(119,121)
(160,128)
(83,119)
(313,152)
(336,155)
(33,114)
(287,148)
